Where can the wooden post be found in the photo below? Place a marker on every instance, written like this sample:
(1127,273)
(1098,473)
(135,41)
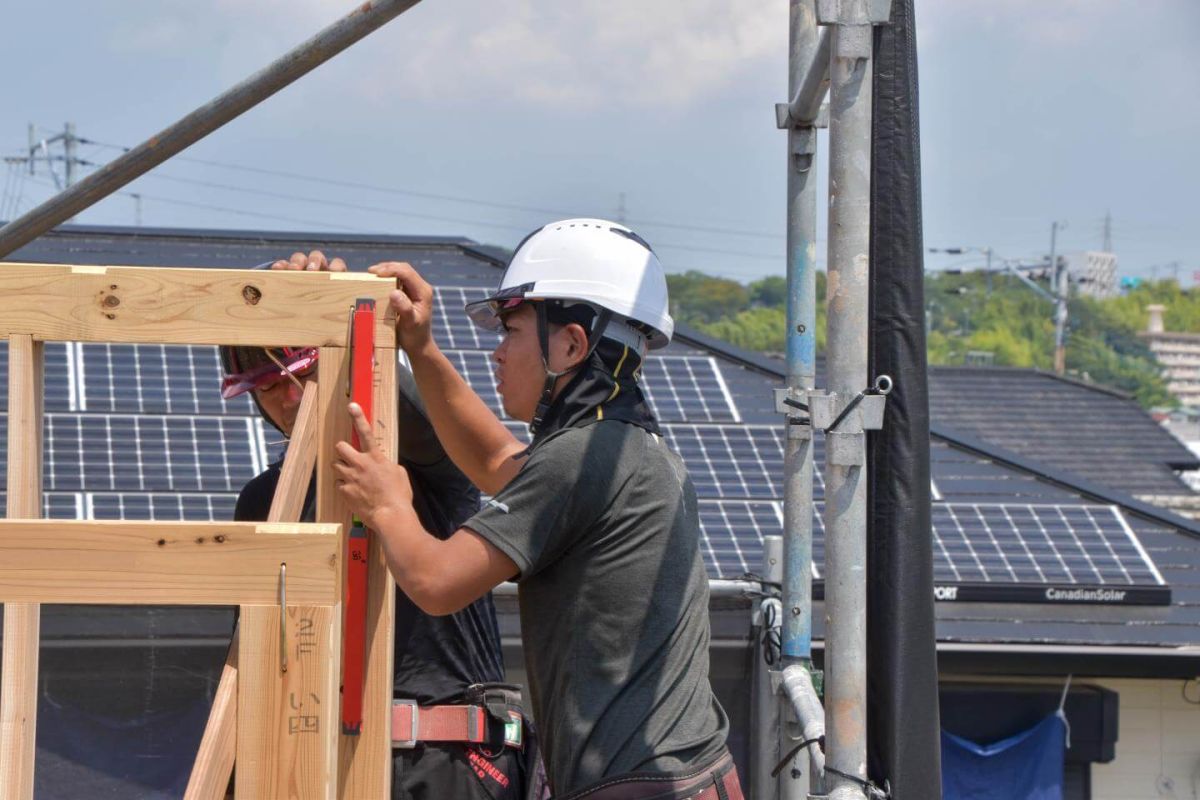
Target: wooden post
(366,759)
(287,721)
(22,621)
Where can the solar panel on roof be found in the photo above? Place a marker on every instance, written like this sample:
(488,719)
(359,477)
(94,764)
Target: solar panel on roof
(153,379)
(452,329)
(730,461)
(95,452)
(1003,552)
(197,507)
(688,389)
(678,388)
(57,378)
(476,368)
(193,507)
(732,535)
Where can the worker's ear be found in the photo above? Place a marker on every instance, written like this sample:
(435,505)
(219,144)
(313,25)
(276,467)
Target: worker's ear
(576,344)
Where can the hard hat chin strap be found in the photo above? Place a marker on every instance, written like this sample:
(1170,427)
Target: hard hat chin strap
(543,331)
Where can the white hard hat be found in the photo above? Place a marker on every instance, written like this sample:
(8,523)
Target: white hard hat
(603,264)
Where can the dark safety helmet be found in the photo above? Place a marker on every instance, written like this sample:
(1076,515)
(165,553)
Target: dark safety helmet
(247,368)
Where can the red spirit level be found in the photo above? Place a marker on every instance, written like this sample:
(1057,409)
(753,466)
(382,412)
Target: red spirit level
(362,392)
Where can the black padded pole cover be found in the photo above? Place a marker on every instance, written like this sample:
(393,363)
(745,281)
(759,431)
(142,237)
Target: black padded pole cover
(903,728)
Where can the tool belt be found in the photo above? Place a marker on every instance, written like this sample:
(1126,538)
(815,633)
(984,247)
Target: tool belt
(715,781)
(490,715)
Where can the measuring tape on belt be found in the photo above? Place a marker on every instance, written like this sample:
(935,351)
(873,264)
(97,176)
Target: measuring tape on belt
(354,624)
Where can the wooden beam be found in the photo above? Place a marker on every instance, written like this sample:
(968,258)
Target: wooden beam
(187,306)
(176,563)
(22,622)
(365,761)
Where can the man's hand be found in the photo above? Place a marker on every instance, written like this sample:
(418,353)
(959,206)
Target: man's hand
(370,483)
(412,303)
(314,261)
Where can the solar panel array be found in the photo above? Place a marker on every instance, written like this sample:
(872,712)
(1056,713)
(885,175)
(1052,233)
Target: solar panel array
(140,432)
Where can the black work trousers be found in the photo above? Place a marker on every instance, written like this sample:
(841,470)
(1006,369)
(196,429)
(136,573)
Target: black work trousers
(449,771)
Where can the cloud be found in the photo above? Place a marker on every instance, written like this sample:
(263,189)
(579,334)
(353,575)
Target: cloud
(581,55)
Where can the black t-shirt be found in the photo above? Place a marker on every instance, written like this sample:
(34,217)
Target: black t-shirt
(602,523)
(436,658)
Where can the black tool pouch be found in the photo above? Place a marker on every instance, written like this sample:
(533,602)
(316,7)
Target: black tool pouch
(510,727)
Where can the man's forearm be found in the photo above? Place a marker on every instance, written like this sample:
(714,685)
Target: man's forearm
(413,558)
(440,576)
(473,436)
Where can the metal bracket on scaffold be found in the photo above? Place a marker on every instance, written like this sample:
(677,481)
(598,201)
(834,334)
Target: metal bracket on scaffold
(838,414)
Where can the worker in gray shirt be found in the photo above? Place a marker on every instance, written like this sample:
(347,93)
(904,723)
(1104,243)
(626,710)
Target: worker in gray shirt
(596,520)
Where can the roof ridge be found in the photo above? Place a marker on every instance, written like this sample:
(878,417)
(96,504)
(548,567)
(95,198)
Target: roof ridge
(228,234)
(1064,478)
(1071,379)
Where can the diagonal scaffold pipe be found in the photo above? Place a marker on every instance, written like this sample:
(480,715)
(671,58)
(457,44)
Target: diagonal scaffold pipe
(364,19)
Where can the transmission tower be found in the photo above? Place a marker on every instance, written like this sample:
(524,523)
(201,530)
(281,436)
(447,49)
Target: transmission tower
(52,150)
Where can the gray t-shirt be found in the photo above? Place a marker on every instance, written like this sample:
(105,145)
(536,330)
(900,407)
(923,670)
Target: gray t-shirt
(602,523)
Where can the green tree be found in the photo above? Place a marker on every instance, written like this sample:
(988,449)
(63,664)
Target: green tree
(697,298)
(966,312)
(770,292)
(758,329)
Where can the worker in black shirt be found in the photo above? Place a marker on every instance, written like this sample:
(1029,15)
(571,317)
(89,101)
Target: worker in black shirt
(596,520)
(440,662)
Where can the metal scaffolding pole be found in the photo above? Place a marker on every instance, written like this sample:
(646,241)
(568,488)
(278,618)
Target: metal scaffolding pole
(365,18)
(807,84)
(765,711)
(845,441)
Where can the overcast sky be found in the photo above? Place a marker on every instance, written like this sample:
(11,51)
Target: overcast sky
(486,119)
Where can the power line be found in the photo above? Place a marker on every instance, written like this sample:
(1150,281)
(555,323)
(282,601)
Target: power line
(336,203)
(433,217)
(667,246)
(393,212)
(225,209)
(445,197)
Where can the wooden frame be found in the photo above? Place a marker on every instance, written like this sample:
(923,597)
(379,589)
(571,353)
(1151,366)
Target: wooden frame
(287,736)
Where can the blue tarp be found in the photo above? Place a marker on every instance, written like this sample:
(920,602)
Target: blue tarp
(1027,766)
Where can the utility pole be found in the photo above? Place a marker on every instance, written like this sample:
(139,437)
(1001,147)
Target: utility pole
(1107,232)
(69,151)
(988,252)
(958,251)
(1061,287)
(40,149)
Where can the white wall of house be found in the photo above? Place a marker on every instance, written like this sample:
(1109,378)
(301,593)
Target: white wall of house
(1158,744)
